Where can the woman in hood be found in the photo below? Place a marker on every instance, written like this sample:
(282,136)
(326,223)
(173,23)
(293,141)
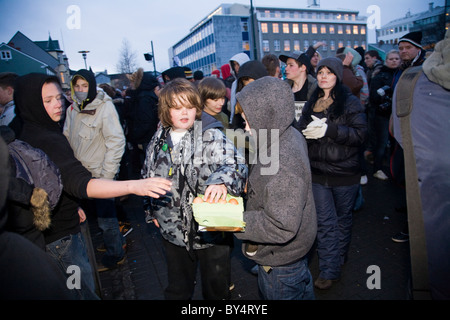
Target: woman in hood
(280,215)
(334,125)
(38,100)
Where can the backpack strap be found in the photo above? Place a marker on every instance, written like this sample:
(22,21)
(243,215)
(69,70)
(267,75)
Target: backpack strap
(418,250)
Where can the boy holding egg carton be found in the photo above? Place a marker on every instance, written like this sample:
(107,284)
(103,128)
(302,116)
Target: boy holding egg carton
(190,149)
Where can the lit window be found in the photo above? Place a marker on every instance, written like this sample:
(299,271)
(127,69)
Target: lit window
(264,28)
(245,45)
(341,44)
(285,27)
(348,30)
(305,28)
(323,28)
(297,45)
(363,30)
(356,44)
(266,47)
(314,28)
(275,28)
(295,28)
(331,29)
(355,30)
(287,45)
(340,30)
(332,45)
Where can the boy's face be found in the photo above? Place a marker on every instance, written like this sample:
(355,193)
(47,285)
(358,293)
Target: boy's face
(214,107)
(183,114)
(52,97)
(81,85)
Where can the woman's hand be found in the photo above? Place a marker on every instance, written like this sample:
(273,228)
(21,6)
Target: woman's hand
(215,192)
(82,215)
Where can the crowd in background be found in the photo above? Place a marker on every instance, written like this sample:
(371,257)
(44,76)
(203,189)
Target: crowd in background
(334,120)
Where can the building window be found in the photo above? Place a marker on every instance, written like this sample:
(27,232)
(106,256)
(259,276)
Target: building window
(323,29)
(341,44)
(264,28)
(275,28)
(305,45)
(324,47)
(314,28)
(355,30)
(295,28)
(287,45)
(363,30)
(297,45)
(305,28)
(348,30)
(331,29)
(356,44)
(266,47)
(6,55)
(276,45)
(363,44)
(332,45)
(340,30)
(285,27)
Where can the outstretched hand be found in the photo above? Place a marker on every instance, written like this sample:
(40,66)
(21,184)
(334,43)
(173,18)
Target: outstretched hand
(153,187)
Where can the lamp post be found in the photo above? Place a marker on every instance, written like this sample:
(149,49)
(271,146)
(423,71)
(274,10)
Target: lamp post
(151,57)
(84,53)
(255,51)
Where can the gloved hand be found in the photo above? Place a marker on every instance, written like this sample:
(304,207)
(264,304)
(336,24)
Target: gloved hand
(316,129)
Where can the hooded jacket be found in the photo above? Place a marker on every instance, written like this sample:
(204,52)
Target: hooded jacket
(280,215)
(40,131)
(240,58)
(94,131)
(143,119)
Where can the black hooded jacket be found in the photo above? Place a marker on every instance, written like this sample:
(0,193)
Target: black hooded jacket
(92,91)
(40,131)
(143,119)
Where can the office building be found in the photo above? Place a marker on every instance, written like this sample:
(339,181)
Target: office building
(227,31)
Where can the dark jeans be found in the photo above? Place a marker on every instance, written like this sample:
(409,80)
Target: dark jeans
(381,131)
(290,282)
(215,271)
(334,206)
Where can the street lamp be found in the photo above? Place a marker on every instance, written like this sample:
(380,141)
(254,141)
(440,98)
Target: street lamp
(151,57)
(84,53)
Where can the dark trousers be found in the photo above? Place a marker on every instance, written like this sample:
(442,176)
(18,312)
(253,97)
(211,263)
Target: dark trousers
(214,263)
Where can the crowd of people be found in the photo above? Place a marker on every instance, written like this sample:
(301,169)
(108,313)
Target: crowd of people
(325,122)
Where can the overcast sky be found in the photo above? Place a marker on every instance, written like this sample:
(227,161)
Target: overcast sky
(102,24)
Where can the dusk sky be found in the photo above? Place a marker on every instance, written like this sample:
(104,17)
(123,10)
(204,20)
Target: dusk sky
(103,25)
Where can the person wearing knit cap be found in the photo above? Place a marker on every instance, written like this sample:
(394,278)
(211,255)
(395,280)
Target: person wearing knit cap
(173,73)
(411,51)
(188,74)
(334,124)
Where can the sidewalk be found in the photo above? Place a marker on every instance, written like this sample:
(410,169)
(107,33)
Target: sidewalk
(143,276)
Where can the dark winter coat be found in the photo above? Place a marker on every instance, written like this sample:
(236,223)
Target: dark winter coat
(143,116)
(40,131)
(335,157)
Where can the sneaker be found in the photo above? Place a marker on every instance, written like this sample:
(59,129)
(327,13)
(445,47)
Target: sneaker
(101,267)
(363,180)
(380,175)
(400,237)
(125,228)
(323,284)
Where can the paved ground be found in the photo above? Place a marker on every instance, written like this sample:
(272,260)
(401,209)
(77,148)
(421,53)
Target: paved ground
(144,277)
